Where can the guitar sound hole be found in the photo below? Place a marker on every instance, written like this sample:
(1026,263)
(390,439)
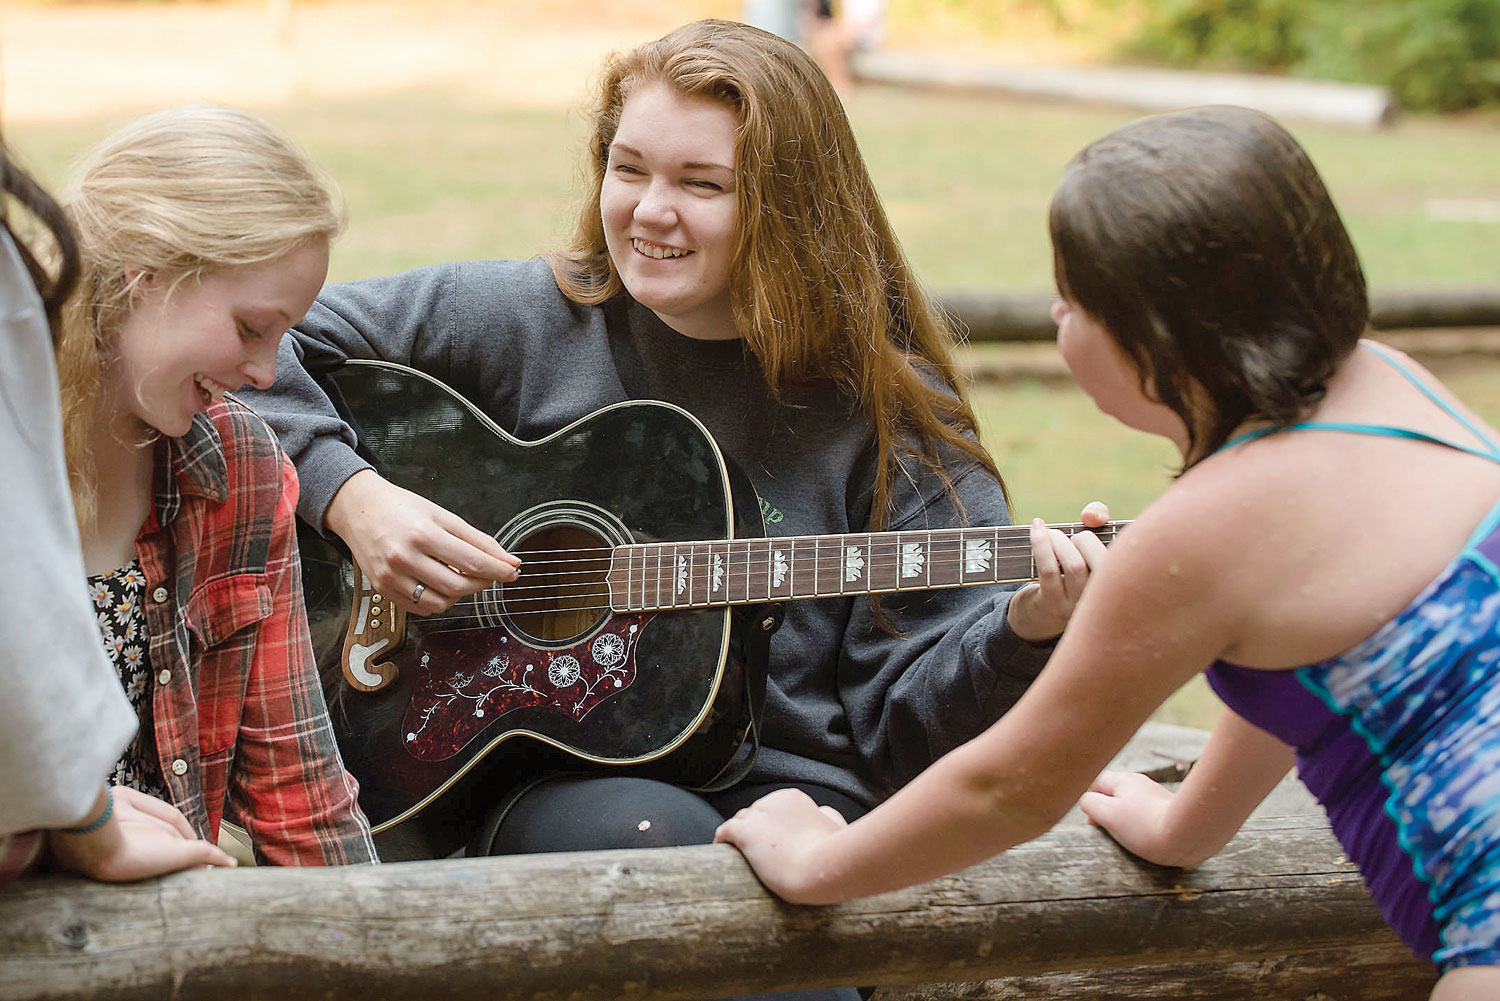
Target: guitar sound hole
(563,591)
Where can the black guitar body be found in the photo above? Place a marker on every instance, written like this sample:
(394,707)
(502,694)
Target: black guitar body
(544,660)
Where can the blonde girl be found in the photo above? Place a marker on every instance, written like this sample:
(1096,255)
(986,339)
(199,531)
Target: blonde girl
(203,235)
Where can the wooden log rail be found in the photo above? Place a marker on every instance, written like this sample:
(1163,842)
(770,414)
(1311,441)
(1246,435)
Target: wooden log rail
(996,315)
(1357,105)
(1280,914)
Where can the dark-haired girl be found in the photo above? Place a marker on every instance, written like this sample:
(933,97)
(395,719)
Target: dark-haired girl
(1328,555)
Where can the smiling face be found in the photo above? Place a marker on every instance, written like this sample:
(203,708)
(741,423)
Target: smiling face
(177,350)
(669,208)
(1103,370)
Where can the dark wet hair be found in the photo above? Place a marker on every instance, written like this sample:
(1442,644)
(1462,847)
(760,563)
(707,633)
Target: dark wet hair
(54,284)
(1205,242)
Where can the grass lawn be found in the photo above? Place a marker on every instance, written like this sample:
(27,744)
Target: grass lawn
(430,176)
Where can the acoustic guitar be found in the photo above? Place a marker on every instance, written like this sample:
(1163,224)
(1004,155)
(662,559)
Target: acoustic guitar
(635,638)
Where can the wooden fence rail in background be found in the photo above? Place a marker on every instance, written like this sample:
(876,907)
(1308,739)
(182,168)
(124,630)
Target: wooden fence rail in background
(1350,104)
(1280,915)
(1024,316)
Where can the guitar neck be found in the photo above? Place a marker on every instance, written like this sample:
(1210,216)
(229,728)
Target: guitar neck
(666,575)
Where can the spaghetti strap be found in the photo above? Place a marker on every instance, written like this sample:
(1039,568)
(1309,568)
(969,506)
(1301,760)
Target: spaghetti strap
(1386,430)
(1428,392)
(1374,430)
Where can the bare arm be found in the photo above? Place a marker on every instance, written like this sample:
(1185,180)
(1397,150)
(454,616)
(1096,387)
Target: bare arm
(1153,616)
(1239,768)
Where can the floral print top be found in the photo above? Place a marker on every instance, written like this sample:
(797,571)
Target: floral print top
(122,625)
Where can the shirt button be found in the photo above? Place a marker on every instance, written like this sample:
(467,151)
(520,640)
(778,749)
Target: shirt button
(159,595)
(179,767)
(163,676)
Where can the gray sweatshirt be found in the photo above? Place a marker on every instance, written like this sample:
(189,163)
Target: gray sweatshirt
(64,720)
(848,705)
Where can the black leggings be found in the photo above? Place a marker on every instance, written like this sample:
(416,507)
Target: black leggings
(576,814)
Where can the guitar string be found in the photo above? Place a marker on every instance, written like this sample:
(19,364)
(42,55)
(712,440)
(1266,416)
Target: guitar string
(504,594)
(511,593)
(1108,529)
(878,549)
(754,600)
(874,557)
(881,556)
(666,570)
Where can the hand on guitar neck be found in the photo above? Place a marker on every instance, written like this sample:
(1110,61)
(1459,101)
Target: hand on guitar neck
(1040,610)
(421,555)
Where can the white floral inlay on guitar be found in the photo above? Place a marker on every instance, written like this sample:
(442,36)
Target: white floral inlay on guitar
(682,574)
(778,568)
(854,564)
(717,573)
(912,559)
(564,671)
(610,652)
(976,556)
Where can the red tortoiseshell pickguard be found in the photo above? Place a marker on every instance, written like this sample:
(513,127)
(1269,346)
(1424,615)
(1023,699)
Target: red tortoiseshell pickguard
(469,678)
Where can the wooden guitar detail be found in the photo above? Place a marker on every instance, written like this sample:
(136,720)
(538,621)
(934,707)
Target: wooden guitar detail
(377,628)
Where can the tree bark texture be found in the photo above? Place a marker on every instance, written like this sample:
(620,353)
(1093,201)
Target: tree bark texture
(694,923)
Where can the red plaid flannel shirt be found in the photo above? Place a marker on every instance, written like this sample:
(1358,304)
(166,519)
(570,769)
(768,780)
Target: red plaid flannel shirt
(239,712)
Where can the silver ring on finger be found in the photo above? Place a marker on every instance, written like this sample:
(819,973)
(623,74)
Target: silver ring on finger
(416,592)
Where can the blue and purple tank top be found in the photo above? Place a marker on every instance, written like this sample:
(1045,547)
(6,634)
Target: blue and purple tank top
(1399,739)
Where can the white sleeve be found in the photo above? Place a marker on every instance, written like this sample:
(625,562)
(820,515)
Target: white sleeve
(63,717)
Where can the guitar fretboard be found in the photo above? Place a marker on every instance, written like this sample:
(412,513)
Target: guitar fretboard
(666,575)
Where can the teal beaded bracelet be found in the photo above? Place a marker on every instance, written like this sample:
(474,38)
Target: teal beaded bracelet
(103,818)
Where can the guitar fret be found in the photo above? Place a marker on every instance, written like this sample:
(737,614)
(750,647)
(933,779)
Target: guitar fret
(648,599)
(1013,559)
(830,564)
(694,575)
(944,557)
(779,568)
(734,551)
(854,564)
(976,556)
(676,578)
(804,559)
(749,566)
(666,575)
(911,559)
(697,592)
(631,554)
(882,568)
(713,574)
(645,576)
(653,574)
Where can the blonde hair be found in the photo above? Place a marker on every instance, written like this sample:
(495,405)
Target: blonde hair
(820,288)
(176,195)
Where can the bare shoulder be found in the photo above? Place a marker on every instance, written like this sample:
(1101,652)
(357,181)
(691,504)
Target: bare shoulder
(1220,506)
